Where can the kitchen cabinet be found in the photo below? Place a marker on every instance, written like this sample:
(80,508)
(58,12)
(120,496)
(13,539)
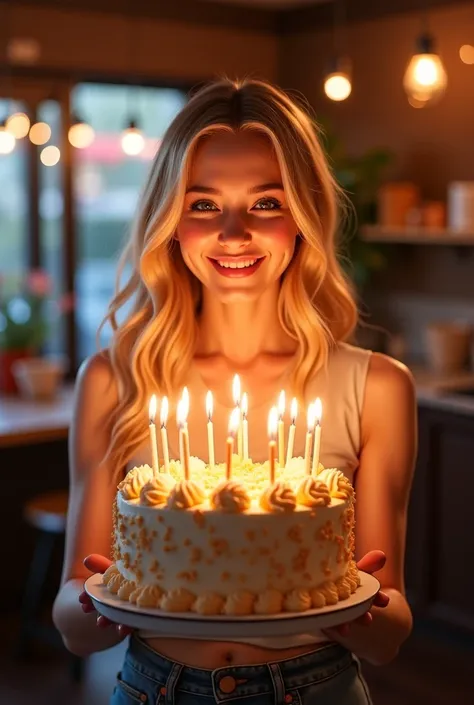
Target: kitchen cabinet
(440,534)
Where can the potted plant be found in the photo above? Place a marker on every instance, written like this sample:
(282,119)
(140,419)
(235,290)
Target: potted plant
(26,307)
(360,176)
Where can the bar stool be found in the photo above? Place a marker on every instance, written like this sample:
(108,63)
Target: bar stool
(46,514)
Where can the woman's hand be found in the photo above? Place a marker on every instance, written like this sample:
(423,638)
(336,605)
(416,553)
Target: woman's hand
(370,563)
(99,564)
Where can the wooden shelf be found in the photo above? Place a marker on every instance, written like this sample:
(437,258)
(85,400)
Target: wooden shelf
(417,236)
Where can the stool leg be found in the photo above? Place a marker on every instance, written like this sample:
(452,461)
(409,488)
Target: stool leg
(36,577)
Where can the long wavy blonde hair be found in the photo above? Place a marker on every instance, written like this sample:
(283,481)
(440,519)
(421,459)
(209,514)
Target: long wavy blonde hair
(153,348)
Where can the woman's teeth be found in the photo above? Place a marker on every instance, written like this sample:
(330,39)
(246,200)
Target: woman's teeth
(241,264)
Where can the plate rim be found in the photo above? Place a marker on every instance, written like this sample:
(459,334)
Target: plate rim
(187,617)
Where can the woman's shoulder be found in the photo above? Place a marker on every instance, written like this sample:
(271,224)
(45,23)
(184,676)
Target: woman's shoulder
(388,376)
(96,379)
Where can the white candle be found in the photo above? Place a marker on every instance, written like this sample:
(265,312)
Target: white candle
(245,425)
(181,417)
(210,429)
(318,410)
(272,434)
(185,398)
(309,439)
(233,426)
(236,397)
(164,433)
(292,430)
(281,429)
(153,437)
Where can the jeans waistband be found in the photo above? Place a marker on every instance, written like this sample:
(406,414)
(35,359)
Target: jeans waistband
(229,682)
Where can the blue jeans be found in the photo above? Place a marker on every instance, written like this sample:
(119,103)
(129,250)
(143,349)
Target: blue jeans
(329,676)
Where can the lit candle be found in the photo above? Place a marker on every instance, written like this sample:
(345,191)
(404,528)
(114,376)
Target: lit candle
(236,397)
(153,438)
(309,439)
(272,434)
(245,425)
(164,434)
(185,398)
(210,429)
(281,429)
(233,426)
(292,430)
(318,411)
(181,417)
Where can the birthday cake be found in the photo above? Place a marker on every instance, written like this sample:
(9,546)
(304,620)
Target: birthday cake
(240,545)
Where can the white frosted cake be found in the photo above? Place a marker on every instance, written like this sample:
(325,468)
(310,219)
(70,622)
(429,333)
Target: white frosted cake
(238,546)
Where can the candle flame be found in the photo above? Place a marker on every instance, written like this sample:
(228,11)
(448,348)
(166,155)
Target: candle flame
(245,405)
(273,423)
(318,411)
(181,413)
(281,404)
(236,390)
(209,405)
(185,399)
(293,411)
(152,408)
(164,412)
(234,422)
(311,417)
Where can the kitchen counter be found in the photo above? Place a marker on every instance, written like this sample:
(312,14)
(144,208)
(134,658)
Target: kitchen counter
(438,391)
(24,422)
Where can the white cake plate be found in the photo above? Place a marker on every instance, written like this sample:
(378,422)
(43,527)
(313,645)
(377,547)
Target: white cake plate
(224,627)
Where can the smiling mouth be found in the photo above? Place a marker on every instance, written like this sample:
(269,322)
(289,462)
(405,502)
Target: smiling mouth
(236,266)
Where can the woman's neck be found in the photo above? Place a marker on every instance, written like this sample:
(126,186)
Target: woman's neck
(242,331)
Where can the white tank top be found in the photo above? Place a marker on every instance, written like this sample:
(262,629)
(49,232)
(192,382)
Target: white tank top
(341,388)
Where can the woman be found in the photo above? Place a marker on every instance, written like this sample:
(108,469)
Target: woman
(234,270)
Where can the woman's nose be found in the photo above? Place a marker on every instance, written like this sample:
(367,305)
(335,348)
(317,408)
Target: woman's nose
(234,231)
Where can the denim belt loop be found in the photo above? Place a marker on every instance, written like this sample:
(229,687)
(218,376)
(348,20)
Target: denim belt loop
(278,683)
(171,681)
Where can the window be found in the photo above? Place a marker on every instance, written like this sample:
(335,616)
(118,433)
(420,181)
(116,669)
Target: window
(14,204)
(107,184)
(51,212)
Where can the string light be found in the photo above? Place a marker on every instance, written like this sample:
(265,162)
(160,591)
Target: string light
(7,140)
(40,133)
(18,124)
(50,155)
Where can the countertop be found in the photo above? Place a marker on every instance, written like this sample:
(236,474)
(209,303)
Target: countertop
(24,422)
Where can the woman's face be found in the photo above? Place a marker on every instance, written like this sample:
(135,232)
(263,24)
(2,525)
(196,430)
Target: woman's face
(236,232)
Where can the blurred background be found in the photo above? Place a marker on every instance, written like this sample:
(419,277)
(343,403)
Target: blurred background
(87,89)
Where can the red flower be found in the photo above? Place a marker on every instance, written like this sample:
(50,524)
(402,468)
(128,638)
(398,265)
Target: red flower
(38,283)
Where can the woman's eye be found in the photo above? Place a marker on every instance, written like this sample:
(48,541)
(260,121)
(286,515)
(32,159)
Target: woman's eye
(267,204)
(203,206)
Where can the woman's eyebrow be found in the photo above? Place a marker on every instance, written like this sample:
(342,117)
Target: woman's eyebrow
(272,186)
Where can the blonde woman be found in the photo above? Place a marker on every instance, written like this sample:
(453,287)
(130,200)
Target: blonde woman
(234,270)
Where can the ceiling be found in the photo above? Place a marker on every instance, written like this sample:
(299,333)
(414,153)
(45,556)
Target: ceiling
(274,4)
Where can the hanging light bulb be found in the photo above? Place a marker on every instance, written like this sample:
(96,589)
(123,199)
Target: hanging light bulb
(18,124)
(425,78)
(7,139)
(80,134)
(337,83)
(132,140)
(40,133)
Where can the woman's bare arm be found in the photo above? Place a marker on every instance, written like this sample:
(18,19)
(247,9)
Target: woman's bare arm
(91,494)
(383,483)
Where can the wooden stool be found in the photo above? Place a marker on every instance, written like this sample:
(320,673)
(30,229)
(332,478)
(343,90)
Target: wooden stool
(46,514)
